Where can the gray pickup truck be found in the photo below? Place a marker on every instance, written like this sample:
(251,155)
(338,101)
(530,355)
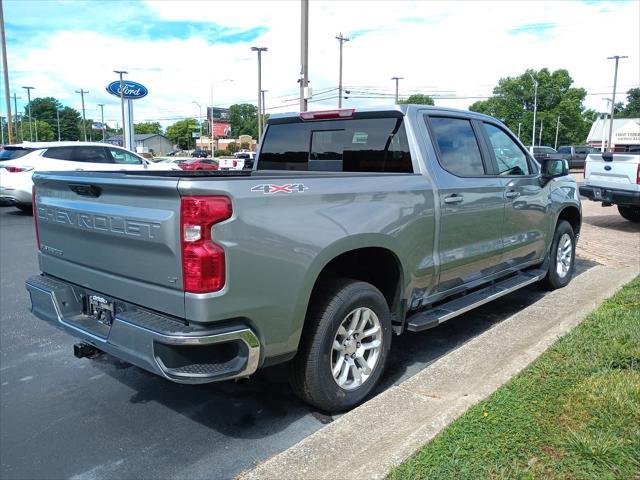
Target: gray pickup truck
(352,226)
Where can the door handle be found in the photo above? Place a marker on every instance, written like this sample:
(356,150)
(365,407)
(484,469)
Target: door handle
(455,198)
(512,194)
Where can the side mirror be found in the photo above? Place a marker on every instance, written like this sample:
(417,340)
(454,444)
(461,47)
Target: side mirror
(555,167)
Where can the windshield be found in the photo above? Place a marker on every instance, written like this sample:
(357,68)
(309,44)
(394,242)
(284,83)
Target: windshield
(13,153)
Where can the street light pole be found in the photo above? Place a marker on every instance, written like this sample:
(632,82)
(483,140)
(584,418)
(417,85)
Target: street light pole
(540,137)
(613,97)
(58,119)
(84,120)
(200,120)
(15,110)
(340,39)
(304,54)
(121,73)
(397,79)
(535,110)
(7,95)
(101,105)
(28,89)
(259,50)
(557,130)
(519,126)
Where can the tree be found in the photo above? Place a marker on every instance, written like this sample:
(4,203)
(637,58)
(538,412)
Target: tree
(632,109)
(44,131)
(148,127)
(181,132)
(70,122)
(244,120)
(418,99)
(513,100)
(232,147)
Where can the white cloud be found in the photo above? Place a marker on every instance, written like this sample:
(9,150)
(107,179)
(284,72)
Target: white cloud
(457,47)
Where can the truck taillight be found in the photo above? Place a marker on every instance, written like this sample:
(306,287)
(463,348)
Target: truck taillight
(34,206)
(203,262)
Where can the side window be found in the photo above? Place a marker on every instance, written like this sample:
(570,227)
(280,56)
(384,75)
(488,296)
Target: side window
(458,146)
(566,150)
(122,156)
(511,160)
(89,154)
(60,153)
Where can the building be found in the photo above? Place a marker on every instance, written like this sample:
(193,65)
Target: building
(625,135)
(147,143)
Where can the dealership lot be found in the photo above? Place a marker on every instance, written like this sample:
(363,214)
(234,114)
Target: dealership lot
(63,417)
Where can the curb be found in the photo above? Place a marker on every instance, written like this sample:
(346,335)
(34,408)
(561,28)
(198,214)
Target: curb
(370,440)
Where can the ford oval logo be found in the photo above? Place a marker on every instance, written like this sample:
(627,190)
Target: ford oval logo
(132,90)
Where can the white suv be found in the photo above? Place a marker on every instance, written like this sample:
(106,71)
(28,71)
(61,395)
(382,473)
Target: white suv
(19,162)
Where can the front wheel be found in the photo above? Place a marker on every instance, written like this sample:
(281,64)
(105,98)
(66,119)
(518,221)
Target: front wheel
(562,257)
(629,213)
(344,349)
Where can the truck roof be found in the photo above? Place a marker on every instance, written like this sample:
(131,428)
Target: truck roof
(403,108)
(39,145)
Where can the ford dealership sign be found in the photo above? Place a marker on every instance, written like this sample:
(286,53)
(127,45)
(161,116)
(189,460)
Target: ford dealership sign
(132,90)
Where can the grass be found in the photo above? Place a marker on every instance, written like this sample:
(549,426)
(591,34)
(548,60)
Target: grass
(572,414)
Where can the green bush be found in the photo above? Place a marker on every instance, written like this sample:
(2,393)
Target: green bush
(222,153)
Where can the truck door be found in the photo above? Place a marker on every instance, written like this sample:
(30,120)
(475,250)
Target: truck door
(526,202)
(471,203)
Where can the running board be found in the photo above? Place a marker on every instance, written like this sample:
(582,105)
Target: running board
(424,319)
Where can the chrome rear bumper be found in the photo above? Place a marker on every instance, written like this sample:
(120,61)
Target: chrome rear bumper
(159,344)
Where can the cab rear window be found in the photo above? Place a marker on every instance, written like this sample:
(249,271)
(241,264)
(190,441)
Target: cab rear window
(354,145)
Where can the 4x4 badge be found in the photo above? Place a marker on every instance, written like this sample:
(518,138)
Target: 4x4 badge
(269,188)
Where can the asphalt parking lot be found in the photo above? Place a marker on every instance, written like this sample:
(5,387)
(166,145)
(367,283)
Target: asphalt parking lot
(61,417)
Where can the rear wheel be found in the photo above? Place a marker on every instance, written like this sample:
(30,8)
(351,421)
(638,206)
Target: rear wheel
(28,209)
(562,257)
(629,213)
(343,352)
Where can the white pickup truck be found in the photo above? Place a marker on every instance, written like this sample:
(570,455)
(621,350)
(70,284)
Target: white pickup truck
(614,179)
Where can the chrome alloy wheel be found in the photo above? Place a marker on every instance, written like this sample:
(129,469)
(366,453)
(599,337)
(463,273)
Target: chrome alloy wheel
(356,348)
(563,256)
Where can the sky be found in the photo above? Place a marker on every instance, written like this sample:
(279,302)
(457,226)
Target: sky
(200,51)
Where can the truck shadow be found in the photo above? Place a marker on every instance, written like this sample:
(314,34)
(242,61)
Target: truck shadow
(265,404)
(612,222)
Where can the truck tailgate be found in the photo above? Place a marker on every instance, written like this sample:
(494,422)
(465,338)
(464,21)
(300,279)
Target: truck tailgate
(620,172)
(113,233)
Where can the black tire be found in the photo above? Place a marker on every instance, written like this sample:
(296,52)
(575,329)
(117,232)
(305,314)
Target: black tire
(554,279)
(311,374)
(28,209)
(629,213)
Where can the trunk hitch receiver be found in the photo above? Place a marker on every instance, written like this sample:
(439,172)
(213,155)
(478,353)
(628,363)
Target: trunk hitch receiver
(82,350)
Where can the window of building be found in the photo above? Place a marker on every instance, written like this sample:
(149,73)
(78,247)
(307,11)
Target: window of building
(459,152)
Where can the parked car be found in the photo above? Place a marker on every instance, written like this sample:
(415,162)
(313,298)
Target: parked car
(353,226)
(200,154)
(19,162)
(575,155)
(198,164)
(543,153)
(614,179)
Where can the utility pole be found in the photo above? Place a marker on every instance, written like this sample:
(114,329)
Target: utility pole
(264,108)
(259,50)
(35,123)
(519,126)
(15,110)
(121,73)
(613,97)
(84,120)
(557,130)
(58,119)
(397,79)
(340,39)
(28,89)
(304,54)
(101,105)
(5,67)
(535,109)
(200,120)
(604,124)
